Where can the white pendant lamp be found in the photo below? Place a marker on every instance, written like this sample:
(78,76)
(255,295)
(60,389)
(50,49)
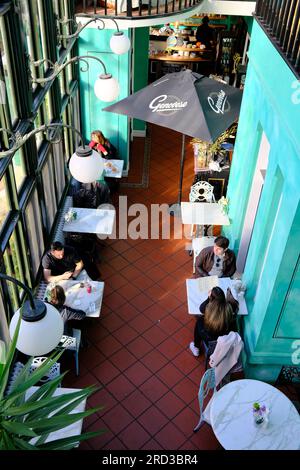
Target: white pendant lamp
(119,43)
(41,328)
(86,165)
(106,88)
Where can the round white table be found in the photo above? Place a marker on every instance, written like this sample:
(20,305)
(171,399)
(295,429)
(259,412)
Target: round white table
(233,424)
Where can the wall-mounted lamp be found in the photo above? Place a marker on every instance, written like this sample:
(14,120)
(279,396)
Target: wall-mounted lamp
(119,42)
(41,326)
(85,164)
(106,86)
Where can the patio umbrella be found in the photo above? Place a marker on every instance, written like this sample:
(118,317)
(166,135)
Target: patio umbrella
(186,102)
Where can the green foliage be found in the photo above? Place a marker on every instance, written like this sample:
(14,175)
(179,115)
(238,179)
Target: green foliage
(215,147)
(26,421)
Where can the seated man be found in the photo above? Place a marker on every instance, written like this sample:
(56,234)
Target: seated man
(61,263)
(217,260)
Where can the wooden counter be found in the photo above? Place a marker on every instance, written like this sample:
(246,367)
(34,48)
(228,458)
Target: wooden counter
(171,58)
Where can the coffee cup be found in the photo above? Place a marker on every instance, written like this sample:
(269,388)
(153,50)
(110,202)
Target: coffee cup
(186,54)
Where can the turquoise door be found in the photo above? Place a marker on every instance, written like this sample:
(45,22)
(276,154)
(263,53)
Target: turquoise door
(115,127)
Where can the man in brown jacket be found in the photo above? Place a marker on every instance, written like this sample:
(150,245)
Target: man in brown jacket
(217,260)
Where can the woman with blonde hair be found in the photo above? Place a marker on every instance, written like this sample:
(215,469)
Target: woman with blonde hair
(218,318)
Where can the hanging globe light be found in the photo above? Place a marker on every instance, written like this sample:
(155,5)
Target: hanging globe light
(86,165)
(106,88)
(119,43)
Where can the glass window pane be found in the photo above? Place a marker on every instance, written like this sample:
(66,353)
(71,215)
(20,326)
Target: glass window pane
(13,267)
(4,332)
(47,109)
(8,77)
(49,191)
(37,123)
(19,168)
(4,202)
(59,164)
(34,230)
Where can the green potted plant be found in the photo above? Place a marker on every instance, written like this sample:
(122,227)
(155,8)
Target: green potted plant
(204,151)
(26,421)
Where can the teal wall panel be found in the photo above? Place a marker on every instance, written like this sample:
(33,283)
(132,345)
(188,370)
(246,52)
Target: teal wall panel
(115,127)
(140,58)
(289,323)
(268,106)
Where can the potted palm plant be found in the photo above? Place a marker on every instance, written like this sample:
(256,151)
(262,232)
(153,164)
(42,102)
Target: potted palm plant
(27,420)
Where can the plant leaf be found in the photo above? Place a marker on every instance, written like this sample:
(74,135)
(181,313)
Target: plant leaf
(58,422)
(11,352)
(13,427)
(60,444)
(24,445)
(57,402)
(30,381)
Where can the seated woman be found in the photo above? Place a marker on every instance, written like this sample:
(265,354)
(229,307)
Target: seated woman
(102,145)
(57,299)
(218,318)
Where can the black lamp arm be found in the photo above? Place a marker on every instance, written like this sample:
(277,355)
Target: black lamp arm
(5,277)
(19,139)
(80,26)
(58,68)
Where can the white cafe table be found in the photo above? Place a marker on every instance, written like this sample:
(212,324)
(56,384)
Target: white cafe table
(113,168)
(99,221)
(78,297)
(203,213)
(68,431)
(233,424)
(195,297)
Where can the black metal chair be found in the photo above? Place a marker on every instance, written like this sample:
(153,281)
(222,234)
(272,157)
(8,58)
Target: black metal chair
(289,377)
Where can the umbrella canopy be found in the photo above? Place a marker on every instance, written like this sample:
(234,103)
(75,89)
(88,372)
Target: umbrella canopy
(186,102)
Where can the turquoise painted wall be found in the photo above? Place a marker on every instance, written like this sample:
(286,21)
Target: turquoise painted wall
(115,127)
(140,58)
(268,105)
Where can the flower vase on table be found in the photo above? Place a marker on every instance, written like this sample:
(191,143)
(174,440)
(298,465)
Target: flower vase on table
(260,414)
(70,215)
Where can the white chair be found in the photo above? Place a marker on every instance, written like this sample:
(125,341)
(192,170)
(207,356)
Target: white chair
(53,372)
(72,343)
(201,191)
(208,382)
(197,246)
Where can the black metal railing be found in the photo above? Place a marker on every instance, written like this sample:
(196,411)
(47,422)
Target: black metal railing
(281,21)
(133,9)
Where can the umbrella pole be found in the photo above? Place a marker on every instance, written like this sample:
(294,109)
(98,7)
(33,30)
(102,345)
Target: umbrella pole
(176,210)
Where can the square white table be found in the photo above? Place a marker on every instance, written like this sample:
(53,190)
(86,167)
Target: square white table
(115,171)
(68,431)
(232,419)
(99,221)
(195,297)
(203,213)
(78,297)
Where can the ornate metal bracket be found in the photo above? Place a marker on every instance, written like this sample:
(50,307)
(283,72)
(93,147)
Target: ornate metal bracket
(18,140)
